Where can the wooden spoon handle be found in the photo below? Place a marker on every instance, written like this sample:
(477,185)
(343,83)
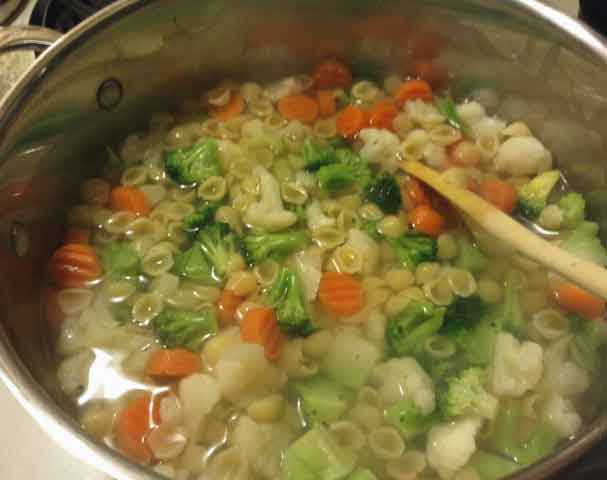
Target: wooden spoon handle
(586,274)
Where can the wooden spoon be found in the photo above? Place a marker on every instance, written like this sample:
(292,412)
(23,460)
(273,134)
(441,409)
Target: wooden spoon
(586,274)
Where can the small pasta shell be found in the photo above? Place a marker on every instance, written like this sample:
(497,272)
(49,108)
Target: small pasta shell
(346,220)
(348,259)
(391,226)
(95,191)
(268,409)
(462,282)
(408,466)
(142,227)
(365,91)
(517,129)
(119,222)
(348,435)
(370,396)
(133,176)
(444,135)
(328,237)
(167,442)
(156,174)
(295,363)
(266,272)
(180,194)
(402,125)
(146,307)
(294,193)
(153,193)
(165,284)
(318,344)
(261,107)
(219,96)
(414,145)
(325,128)
(439,291)
(74,300)
(118,290)
(250,91)
(178,210)
(157,261)
(439,347)
(550,324)
(183,299)
(242,283)
(386,443)
(229,463)
(213,189)
(370,211)
(274,121)
(175,234)
(488,145)
(367,416)
(426,272)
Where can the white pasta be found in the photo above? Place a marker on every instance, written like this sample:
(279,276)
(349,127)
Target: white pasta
(154,194)
(212,189)
(294,193)
(266,272)
(144,227)
(242,283)
(175,233)
(146,307)
(118,290)
(439,291)
(348,259)
(402,125)
(365,91)
(408,466)
(250,91)
(157,261)
(415,144)
(119,222)
(368,416)
(391,226)
(325,128)
(370,396)
(74,300)
(229,464)
(95,191)
(462,282)
(267,410)
(295,363)
(328,237)
(444,135)
(348,435)
(178,210)
(217,345)
(134,176)
(167,442)
(97,418)
(386,443)
(550,324)
(317,344)
(73,372)
(488,144)
(424,114)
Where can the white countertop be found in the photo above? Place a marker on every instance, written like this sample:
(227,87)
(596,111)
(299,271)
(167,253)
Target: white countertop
(28,454)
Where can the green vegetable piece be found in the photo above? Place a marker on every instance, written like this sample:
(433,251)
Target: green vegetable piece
(587,343)
(349,170)
(350,360)
(202,217)
(447,108)
(573,207)
(316,156)
(259,247)
(181,328)
(322,400)
(513,435)
(463,313)
(406,417)
(411,249)
(119,257)
(384,191)
(361,474)
(407,331)
(510,314)
(122,312)
(192,165)
(492,467)
(219,245)
(475,345)
(469,257)
(533,196)
(584,242)
(316,455)
(286,296)
(193,264)
(466,395)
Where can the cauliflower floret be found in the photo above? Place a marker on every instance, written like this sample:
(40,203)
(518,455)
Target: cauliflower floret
(424,114)
(261,445)
(366,246)
(269,213)
(561,375)
(450,446)
(520,156)
(380,147)
(309,266)
(517,367)
(400,377)
(561,415)
(286,86)
(488,126)
(470,112)
(244,374)
(316,218)
(198,394)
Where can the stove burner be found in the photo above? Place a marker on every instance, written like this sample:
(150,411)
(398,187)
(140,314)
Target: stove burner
(62,15)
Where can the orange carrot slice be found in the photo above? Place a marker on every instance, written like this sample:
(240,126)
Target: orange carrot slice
(575,299)
(173,362)
(134,423)
(340,293)
(234,107)
(327,105)
(227,304)
(130,199)
(298,107)
(499,193)
(351,120)
(75,265)
(414,194)
(260,326)
(413,90)
(332,74)
(382,115)
(426,220)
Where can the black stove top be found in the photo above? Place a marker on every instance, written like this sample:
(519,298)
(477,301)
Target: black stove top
(62,15)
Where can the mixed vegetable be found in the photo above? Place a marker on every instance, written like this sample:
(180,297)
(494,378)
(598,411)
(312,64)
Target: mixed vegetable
(265,295)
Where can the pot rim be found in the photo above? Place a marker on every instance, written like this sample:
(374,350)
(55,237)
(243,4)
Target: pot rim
(61,427)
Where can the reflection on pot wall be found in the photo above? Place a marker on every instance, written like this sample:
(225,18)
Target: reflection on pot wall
(510,61)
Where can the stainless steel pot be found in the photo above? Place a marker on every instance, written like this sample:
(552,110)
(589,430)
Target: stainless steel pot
(96,83)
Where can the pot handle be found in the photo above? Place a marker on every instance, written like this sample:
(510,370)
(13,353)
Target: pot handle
(26,38)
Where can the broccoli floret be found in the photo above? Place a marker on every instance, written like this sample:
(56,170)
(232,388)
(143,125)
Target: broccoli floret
(193,264)
(259,247)
(587,343)
(384,191)
(407,331)
(469,257)
(466,395)
(315,156)
(475,345)
(463,313)
(411,249)
(119,257)
(349,170)
(584,242)
(405,416)
(219,244)
(199,219)
(573,207)
(180,328)
(286,296)
(533,196)
(188,166)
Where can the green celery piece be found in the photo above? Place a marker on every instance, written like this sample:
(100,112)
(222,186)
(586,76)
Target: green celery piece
(361,474)
(323,400)
(492,467)
(350,360)
(316,455)
(469,257)
(119,257)
(194,265)
(408,420)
